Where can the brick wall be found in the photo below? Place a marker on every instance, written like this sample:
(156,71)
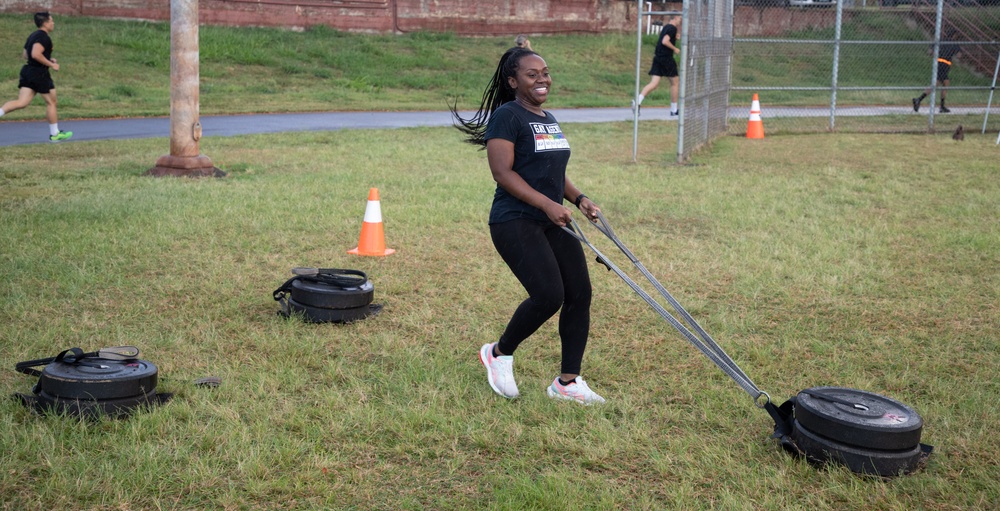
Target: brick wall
(463,17)
(750,21)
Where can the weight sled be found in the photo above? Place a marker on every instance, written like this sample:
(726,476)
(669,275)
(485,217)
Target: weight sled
(327,295)
(884,421)
(111,382)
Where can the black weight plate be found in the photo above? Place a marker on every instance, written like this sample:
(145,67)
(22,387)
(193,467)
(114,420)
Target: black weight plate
(879,423)
(885,463)
(326,296)
(319,315)
(121,407)
(98,378)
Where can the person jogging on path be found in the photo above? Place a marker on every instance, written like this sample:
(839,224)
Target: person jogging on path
(664,65)
(946,56)
(527,154)
(35,76)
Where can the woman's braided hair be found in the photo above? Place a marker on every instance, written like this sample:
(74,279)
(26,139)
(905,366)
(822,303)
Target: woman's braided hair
(497,93)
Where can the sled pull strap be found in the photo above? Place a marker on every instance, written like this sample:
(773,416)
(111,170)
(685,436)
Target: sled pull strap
(74,355)
(118,353)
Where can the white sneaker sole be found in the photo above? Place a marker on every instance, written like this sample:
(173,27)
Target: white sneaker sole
(554,394)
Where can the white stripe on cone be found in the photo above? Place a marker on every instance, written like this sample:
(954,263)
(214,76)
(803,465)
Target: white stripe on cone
(373,212)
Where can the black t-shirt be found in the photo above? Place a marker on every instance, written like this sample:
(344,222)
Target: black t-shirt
(41,37)
(541,153)
(949,50)
(661,50)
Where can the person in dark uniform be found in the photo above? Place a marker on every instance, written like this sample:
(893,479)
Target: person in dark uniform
(35,77)
(527,154)
(664,65)
(946,56)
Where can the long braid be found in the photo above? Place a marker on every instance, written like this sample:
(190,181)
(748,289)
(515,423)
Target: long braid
(497,92)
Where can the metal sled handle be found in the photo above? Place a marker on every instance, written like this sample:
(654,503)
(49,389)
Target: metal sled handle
(704,343)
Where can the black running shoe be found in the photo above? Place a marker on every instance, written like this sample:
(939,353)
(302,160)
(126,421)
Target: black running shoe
(945,110)
(916,105)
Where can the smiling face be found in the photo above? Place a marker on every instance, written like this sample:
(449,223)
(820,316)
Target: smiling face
(532,82)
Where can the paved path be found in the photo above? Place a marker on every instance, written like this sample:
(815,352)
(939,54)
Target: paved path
(32,132)
(36,132)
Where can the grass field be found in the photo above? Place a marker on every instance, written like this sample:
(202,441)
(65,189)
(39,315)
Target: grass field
(854,260)
(812,259)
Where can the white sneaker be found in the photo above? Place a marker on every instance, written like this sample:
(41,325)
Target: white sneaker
(499,371)
(577,390)
(635,108)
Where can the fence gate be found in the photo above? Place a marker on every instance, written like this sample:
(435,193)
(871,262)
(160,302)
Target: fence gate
(706,42)
(706,57)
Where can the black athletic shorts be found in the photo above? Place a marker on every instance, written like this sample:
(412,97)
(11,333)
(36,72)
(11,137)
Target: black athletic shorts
(37,79)
(942,71)
(664,67)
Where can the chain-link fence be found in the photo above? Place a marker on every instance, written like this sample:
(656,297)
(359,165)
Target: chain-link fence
(857,65)
(706,47)
(706,41)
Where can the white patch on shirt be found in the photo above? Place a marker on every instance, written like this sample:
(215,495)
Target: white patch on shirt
(549,137)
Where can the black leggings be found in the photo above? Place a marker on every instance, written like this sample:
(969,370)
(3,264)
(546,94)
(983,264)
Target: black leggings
(551,266)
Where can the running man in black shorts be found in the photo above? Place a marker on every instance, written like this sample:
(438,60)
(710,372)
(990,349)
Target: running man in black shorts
(946,55)
(664,64)
(35,77)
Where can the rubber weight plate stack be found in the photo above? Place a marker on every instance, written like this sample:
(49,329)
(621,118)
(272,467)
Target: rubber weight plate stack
(97,386)
(321,302)
(869,433)
(325,296)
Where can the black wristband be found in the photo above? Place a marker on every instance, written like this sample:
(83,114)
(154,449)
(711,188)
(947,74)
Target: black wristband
(579,198)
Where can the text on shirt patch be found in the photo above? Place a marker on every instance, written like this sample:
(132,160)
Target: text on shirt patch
(549,137)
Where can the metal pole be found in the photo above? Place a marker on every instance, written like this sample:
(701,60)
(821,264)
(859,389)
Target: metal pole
(682,77)
(638,63)
(185,127)
(937,52)
(836,65)
(989,103)
(649,19)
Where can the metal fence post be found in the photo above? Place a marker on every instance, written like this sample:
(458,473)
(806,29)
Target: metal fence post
(939,20)
(989,103)
(638,64)
(836,65)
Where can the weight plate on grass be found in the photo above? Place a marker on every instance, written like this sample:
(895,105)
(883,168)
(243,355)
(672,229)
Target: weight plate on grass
(98,378)
(118,407)
(320,315)
(871,421)
(326,296)
(884,463)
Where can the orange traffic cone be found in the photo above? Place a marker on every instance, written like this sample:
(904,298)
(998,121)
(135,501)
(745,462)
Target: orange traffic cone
(372,242)
(755,128)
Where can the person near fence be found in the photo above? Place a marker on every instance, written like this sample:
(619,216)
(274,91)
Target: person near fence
(527,154)
(664,65)
(35,77)
(947,54)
